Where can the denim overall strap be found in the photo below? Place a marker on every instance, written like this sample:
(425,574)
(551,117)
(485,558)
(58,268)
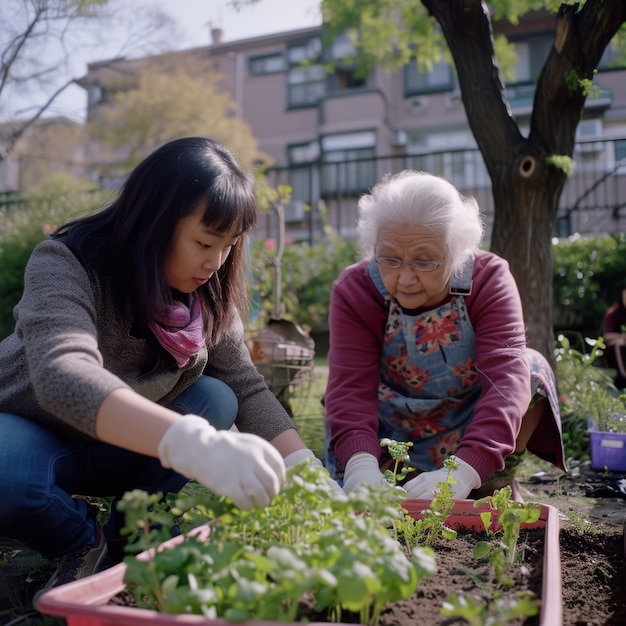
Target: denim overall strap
(461,282)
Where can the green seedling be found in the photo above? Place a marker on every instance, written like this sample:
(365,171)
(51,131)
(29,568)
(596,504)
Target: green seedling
(431,526)
(399,452)
(511,516)
(493,608)
(257,565)
(499,612)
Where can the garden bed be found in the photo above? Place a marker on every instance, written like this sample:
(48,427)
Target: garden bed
(87,602)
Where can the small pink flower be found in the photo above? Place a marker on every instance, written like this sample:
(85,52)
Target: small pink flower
(49,228)
(270,244)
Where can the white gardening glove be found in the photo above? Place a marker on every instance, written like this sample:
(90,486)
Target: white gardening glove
(425,485)
(306,454)
(362,467)
(242,466)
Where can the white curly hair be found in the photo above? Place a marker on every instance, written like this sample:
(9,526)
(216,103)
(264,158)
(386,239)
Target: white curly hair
(414,198)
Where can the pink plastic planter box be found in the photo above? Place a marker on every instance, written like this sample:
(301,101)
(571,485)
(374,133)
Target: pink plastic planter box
(84,602)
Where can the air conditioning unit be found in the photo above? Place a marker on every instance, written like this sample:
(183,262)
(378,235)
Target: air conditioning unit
(398,138)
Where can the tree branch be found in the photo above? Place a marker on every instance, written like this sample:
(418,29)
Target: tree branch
(466,25)
(581,38)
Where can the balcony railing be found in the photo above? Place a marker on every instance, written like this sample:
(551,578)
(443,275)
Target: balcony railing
(593,200)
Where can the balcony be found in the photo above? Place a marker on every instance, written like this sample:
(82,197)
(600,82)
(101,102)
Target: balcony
(593,200)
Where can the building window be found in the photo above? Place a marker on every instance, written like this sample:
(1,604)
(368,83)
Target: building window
(95,94)
(612,58)
(306,85)
(346,75)
(451,154)
(620,150)
(267,64)
(349,166)
(300,157)
(306,50)
(531,57)
(416,82)
(344,78)
(306,77)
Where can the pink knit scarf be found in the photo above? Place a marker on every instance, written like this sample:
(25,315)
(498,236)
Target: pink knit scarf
(180,331)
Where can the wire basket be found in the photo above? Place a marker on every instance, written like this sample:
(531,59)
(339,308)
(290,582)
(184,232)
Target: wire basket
(287,363)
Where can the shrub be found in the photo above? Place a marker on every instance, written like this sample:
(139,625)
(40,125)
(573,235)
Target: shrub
(308,272)
(585,392)
(588,274)
(22,227)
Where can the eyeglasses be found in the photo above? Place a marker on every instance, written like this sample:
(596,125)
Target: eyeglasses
(420,266)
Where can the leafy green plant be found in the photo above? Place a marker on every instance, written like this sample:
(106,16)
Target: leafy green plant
(431,525)
(500,551)
(399,452)
(22,227)
(259,563)
(586,392)
(587,272)
(343,551)
(308,271)
(510,517)
(499,612)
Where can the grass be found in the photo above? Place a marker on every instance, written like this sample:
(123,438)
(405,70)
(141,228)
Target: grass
(308,411)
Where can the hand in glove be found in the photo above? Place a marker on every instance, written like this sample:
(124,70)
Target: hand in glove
(362,467)
(244,467)
(425,485)
(300,455)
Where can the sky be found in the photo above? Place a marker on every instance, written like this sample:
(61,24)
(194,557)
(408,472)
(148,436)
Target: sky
(264,18)
(195,18)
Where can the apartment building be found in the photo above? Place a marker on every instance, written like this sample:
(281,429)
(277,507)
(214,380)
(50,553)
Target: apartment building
(332,135)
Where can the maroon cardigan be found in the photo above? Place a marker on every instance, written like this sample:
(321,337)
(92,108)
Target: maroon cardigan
(357,320)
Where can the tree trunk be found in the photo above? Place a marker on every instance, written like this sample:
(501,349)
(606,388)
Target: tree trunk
(526,185)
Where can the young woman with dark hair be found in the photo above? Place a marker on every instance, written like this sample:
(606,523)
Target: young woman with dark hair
(128,366)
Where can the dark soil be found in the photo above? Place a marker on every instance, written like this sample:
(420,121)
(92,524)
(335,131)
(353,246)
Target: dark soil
(461,574)
(592,507)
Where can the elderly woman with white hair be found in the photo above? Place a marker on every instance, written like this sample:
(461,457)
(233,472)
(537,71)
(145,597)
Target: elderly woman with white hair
(428,345)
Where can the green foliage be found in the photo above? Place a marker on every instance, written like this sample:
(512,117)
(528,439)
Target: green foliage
(499,612)
(165,102)
(564,163)
(387,32)
(259,563)
(426,530)
(399,452)
(342,550)
(22,227)
(308,272)
(510,517)
(507,516)
(585,392)
(574,83)
(513,10)
(588,274)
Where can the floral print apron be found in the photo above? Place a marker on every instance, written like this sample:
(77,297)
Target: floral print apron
(428,383)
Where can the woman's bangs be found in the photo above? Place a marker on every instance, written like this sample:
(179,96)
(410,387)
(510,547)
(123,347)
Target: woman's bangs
(230,212)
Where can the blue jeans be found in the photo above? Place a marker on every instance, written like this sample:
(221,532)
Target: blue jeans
(40,471)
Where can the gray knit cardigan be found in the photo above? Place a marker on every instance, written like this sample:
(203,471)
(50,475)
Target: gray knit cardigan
(71,348)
